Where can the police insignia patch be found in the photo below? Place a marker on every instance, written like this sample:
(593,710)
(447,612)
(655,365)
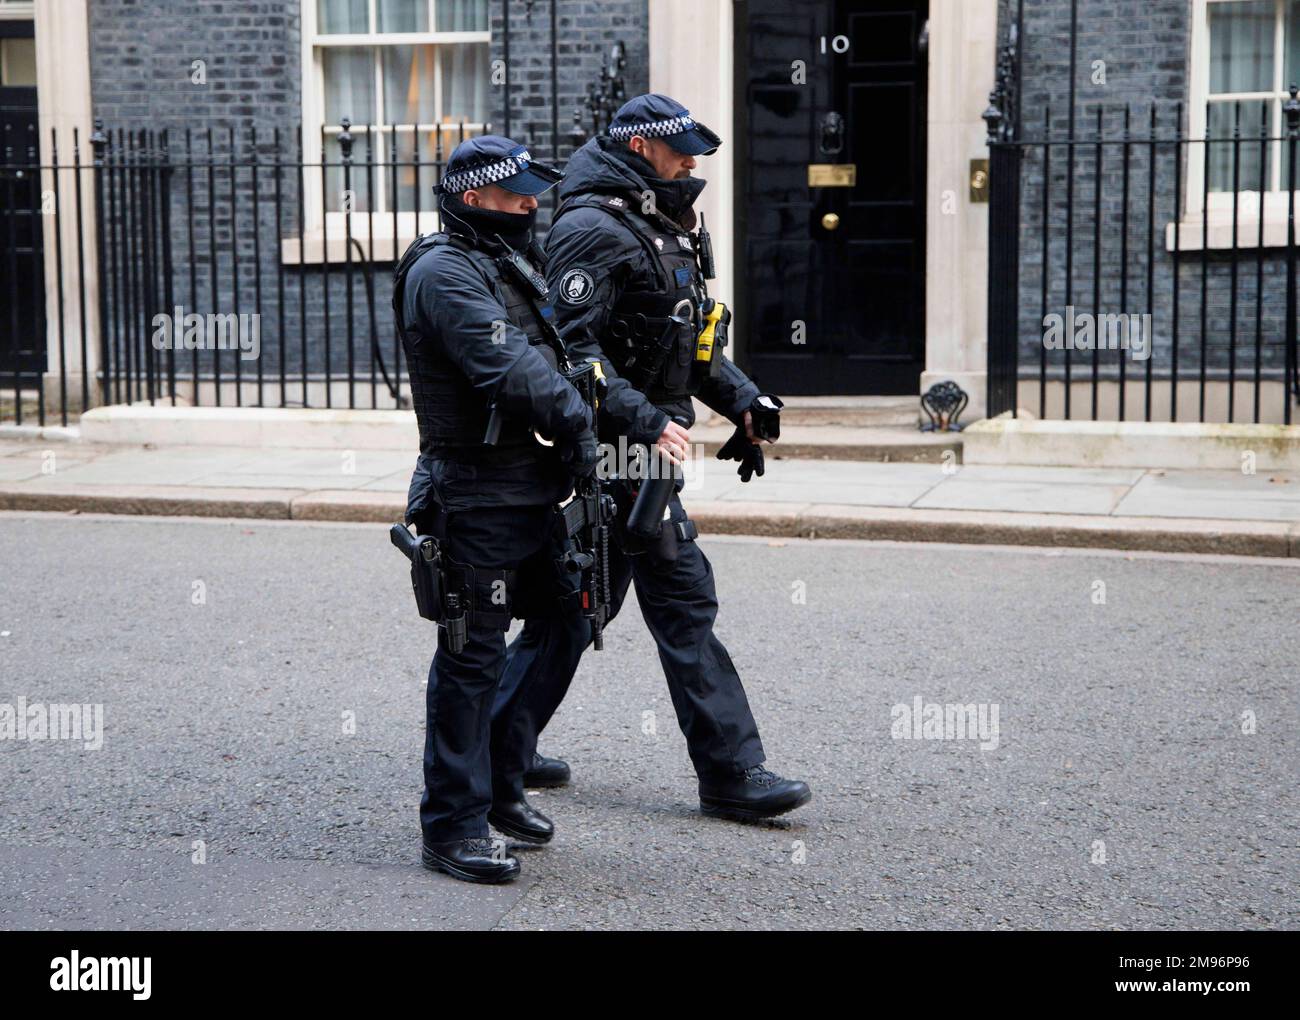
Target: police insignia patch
(577,287)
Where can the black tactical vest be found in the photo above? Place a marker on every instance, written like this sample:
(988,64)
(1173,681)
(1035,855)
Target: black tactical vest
(451,415)
(643,342)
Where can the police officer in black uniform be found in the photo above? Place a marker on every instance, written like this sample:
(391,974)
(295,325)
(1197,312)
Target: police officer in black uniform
(477,331)
(625,271)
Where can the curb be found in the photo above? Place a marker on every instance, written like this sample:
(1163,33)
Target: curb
(979,527)
(797,520)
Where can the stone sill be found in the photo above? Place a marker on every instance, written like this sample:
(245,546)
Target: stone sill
(1219,233)
(330,245)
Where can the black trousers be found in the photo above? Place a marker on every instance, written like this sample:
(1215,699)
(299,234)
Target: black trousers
(679,604)
(469,748)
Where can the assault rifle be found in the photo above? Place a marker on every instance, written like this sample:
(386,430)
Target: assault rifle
(587,518)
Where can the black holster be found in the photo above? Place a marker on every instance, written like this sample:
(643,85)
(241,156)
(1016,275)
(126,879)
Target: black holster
(663,543)
(439,594)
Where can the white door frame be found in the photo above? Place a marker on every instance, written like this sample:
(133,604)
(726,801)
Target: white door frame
(63,102)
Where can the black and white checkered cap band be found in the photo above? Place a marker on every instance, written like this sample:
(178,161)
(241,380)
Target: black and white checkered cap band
(655,129)
(479,176)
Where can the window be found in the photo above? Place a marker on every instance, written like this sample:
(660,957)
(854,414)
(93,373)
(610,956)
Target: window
(17,62)
(410,72)
(1244,55)
(1254,46)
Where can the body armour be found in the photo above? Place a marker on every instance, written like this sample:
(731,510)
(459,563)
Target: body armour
(452,416)
(645,344)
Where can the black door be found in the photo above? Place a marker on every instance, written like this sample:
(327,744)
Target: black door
(22,270)
(832,182)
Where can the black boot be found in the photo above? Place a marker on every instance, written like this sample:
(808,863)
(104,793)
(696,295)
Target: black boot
(521,820)
(546,772)
(476,859)
(752,794)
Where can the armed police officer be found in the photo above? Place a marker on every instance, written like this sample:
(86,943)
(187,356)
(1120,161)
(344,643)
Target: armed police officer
(628,278)
(477,331)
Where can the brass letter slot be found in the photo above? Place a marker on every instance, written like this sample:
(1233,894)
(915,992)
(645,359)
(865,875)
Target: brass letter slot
(832,175)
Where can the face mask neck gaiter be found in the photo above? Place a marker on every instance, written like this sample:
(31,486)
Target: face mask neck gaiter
(479,224)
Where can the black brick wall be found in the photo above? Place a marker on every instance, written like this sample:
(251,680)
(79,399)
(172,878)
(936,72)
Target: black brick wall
(141,54)
(586,32)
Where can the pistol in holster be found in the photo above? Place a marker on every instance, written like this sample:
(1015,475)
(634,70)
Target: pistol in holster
(436,599)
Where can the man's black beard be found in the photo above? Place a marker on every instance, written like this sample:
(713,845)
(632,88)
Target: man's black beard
(476,222)
(672,198)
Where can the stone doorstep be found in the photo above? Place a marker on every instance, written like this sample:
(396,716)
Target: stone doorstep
(878,443)
(796,520)
(1191,445)
(850,412)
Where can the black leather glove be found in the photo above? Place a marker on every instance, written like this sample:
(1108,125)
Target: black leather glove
(738,447)
(765,412)
(579,454)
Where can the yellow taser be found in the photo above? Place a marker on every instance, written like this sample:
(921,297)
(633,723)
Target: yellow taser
(713,335)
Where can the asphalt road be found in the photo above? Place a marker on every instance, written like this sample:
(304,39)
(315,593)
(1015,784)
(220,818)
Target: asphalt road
(260,759)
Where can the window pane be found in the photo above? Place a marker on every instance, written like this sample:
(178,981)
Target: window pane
(349,84)
(1222,119)
(465,82)
(334,17)
(18,62)
(1292,65)
(408,85)
(403,15)
(461,15)
(1241,46)
(409,174)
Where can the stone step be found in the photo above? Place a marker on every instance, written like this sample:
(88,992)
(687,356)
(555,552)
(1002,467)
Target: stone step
(856,412)
(886,444)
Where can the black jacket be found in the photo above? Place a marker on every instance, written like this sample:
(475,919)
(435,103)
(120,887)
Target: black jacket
(596,241)
(449,303)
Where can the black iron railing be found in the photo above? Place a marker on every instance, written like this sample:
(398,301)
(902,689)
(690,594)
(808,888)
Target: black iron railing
(112,240)
(1138,271)
(283,260)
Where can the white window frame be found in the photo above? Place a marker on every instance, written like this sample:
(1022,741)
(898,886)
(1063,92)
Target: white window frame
(1246,202)
(328,237)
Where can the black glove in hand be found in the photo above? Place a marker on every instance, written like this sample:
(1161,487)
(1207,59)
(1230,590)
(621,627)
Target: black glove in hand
(580,454)
(765,412)
(738,447)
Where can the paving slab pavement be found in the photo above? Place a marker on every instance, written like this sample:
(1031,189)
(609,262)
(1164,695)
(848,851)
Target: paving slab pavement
(1157,509)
